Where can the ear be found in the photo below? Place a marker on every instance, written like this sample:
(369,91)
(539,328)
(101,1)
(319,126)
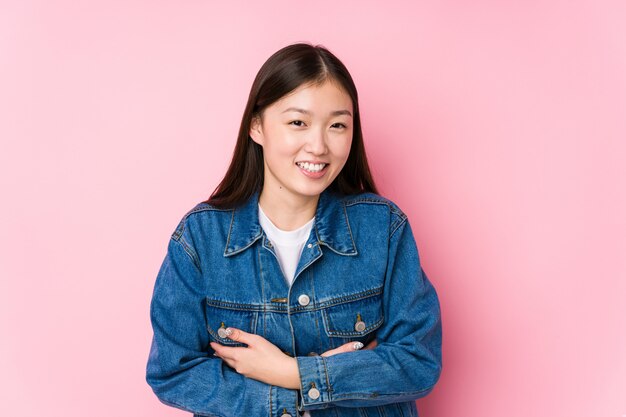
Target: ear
(256,132)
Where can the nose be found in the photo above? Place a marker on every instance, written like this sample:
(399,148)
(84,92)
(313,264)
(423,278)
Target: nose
(316,143)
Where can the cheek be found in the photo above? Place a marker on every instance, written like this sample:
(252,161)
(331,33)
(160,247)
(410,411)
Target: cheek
(277,146)
(343,148)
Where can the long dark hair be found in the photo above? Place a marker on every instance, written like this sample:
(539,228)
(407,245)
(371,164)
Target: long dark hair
(283,72)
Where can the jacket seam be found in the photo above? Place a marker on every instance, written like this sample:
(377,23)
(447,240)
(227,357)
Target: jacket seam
(399,217)
(318,306)
(180,407)
(397,227)
(367,395)
(189,251)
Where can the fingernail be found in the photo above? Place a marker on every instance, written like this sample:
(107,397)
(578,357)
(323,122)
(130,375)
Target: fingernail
(228,332)
(358,345)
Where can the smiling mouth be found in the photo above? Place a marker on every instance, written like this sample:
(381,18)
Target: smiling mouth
(311,167)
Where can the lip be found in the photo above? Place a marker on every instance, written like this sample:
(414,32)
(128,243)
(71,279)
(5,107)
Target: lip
(314,175)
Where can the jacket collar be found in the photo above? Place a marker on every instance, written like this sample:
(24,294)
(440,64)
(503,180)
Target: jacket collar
(331,226)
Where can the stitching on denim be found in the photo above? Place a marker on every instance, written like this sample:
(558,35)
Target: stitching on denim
(230,229)
(182,407)
(191,252)
(283,308)
(248,307)
(243,248)
(178,232)
(329,388)
(399,216)
(253,324)
(321,242)
(353,297)
(264,310)
(337,333)
(271,389)
(362,395)
(202,206)
(339,300)
(221,341)
(180,228)
(397,227)
(315,315)
(305,266)
(345,212)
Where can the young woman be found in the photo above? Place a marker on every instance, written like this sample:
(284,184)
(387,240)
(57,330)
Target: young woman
(295,289)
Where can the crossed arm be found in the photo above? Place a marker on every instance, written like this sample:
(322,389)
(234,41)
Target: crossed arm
(265,362)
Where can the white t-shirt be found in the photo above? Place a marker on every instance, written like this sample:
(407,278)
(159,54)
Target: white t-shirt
(288,246)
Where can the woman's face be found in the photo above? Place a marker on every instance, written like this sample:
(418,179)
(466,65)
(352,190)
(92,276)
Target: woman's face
(306,138)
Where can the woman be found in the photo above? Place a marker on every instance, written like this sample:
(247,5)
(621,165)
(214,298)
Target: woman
(295,289)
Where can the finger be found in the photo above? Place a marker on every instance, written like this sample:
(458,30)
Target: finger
(226,352)
(347,347)
(239,335)
(371,345)
(229,362)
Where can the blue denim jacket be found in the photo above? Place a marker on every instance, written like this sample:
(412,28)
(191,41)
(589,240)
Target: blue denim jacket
(361,274)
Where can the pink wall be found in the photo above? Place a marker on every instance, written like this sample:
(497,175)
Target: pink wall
(499,127)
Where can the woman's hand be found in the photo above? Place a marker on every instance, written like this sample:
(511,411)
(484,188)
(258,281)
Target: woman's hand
(265,362)
(350,347)
(261,360)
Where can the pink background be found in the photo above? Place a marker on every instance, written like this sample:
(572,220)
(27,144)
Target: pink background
(498,126)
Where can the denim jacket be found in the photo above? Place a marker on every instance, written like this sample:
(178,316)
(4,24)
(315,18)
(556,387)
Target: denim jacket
(359,278)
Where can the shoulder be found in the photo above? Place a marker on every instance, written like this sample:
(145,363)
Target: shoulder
(200,216)
(371,204)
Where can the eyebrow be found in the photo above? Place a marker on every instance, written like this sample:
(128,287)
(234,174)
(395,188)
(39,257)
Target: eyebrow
(334,113)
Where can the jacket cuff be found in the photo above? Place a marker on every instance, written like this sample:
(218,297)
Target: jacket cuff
(315,386)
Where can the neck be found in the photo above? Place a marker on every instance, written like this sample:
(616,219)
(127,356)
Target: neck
(286,211)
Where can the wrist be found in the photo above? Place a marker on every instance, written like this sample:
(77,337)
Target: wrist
(293,374)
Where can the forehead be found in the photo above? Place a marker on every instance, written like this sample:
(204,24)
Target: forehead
(326,96)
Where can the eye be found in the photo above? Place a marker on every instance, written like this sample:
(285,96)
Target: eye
(298,123)
(338,126)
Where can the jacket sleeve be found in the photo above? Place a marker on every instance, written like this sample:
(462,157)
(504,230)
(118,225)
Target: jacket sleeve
(406,363)
(181,368)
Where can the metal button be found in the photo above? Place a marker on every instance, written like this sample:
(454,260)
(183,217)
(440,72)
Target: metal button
(285,413)
(359,326)
(310,245)
(269,243)
(314,393)
(304,300)
(221,332)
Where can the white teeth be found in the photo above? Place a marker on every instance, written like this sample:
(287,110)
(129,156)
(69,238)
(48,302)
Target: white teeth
(311,167)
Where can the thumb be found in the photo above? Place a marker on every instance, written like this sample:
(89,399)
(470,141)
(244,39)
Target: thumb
(239,335)
(348,347)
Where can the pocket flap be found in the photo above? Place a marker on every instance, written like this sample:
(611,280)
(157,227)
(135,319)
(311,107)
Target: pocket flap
(354,318)
(217,313)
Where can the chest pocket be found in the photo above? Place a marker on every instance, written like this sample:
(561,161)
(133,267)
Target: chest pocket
(220,315)
(354,318)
